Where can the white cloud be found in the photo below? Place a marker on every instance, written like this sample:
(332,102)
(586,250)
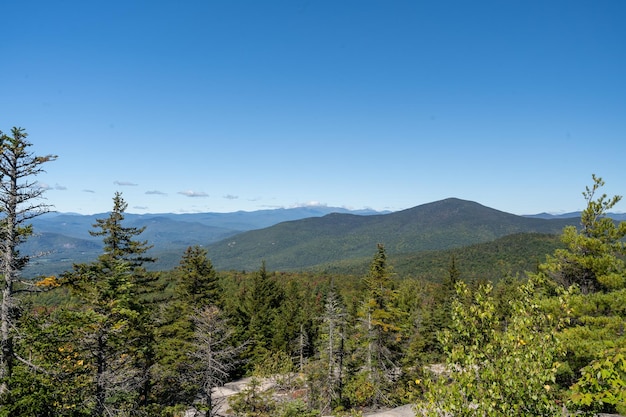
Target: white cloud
(155,192)
(125,183)
(43,186)
(231,197)
(310,204)
(191,193)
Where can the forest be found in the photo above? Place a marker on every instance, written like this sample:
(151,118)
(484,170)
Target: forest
(111,337)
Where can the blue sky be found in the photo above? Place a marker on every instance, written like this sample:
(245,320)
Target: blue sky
(198,106)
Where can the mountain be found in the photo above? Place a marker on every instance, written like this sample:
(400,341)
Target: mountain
(63,238)
(574,214)
(77,225)
(286,239)
(337,237)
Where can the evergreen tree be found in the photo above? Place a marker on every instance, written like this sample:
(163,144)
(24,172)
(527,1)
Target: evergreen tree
(292,329)
(444,295)
(19,197)
(261,305)
(454,276)
(197,281)
(593,259)
(103,330)
(119,241)
(416,299)
(118,343)
(380,333)
(326,374)
(592,262)
(62,383)
(196,287)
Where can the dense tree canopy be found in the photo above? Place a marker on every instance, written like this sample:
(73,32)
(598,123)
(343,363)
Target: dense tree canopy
(118,340)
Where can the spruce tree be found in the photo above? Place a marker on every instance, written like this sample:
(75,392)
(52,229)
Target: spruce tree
(196,286)
(328,372)
(593,257)
(120,241)
(380,332)
(197,281)
(592,263)
(19,202)
(118,343)
(260,307)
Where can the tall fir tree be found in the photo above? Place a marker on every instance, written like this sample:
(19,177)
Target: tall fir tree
(120,242)
(326,374)
(592,263)
(380,333)
(112,294)
(19,202)
(263,299)
(594,255)
(197,280)
(196,286)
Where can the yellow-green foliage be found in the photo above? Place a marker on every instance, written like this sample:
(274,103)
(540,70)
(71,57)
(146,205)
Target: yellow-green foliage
(494,367)
(602,386)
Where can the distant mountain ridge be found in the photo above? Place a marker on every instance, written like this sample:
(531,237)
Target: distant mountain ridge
(63,238)
(287,239)
(440,225)
(573,214)
(78,225)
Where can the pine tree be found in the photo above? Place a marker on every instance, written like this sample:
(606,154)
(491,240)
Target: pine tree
(196,286)
(328,371)
(423,315)
(261,305)
(119,241)
(103,339)
(444,296)
(380,333)
(121,244)
(592,263)
(294,320)
(19,197)
(197,281)
(593,259)
(118,343)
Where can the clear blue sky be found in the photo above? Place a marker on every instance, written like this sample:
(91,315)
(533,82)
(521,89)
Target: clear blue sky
(201,105)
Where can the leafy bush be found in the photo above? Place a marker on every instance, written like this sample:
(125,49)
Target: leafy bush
(495,369)
(602,386)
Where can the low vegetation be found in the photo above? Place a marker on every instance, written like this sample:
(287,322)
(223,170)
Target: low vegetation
(112,337)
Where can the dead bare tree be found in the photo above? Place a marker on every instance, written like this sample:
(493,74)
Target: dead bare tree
(214,354)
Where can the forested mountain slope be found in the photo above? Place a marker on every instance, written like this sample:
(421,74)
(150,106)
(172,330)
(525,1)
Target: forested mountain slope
(508,256)
(320,241)
(61,239)
(305,243)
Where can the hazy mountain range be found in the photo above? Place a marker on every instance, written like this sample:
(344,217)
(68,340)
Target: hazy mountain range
(288,239)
